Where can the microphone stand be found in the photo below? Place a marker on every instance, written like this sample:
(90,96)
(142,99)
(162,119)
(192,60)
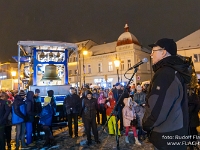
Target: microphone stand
(115,111)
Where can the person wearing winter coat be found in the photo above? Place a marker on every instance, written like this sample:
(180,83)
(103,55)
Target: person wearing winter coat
(37,110)
(139,98)
(101,106)
(19,118)
(5,109)
(110,104)
(8,127)
(95,94)
(46,121)
(72,107)
(31,114)
(117,92)
(50,96)
(89,108)
(166,108)
(129,120)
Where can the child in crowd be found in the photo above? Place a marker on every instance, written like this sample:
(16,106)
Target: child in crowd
(129,119)
(45,121)
(109,108)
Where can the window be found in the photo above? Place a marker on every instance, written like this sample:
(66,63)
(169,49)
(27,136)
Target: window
(99,67)
(75,71)
(122,64)
(110,66)
(196,57)
(129,63)
(70,59)
(89,69)
(70,72)
(74,59)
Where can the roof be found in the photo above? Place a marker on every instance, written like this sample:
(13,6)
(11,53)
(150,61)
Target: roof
(46,44)
(104,48)
(127,37)
(190,41)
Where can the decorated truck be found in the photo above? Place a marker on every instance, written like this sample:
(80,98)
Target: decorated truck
(44,65)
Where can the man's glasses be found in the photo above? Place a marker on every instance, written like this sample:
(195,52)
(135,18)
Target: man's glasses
(156,50)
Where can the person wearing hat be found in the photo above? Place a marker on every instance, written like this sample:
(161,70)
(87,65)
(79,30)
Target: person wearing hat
(46,116)
(88,111)
(37,110)
(166,108)
(72,107)
(19,118)
(50,96)
(117,92)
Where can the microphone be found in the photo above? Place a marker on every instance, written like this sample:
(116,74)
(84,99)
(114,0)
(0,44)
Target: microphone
(144,60)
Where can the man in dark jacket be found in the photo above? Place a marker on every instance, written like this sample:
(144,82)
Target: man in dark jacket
(88,111)
(37,110)
(166,109)
(72,106)
(4,112)
(117,92)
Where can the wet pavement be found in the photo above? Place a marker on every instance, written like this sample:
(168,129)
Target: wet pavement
(108,142)
(64,142)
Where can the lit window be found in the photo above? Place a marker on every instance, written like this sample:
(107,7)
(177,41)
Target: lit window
(122,64)
(110,66)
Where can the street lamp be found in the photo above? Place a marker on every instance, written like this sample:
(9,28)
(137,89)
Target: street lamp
(117,64)
(85,52)
(13,73)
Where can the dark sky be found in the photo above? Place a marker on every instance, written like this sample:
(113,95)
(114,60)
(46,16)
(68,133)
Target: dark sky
(98,20)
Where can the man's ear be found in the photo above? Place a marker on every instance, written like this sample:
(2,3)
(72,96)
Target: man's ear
(164,53)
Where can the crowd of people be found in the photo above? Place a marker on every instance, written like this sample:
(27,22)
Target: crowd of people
(25,111)
(95,102)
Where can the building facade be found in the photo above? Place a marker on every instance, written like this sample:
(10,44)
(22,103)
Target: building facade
(190,46)
(98,65)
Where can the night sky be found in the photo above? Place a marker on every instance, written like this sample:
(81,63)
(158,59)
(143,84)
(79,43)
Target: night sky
(98,20)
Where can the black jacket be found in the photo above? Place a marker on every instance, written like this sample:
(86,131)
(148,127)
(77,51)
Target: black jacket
(89,108)
(16,105)
(30,110)
(166,109)
(37,104)
(72,104)
(5,109)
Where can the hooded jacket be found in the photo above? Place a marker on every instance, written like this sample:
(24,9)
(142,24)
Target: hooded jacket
(18,110)
(128,112)
(112,102)
(166,109)
(46,115)
(30,106)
